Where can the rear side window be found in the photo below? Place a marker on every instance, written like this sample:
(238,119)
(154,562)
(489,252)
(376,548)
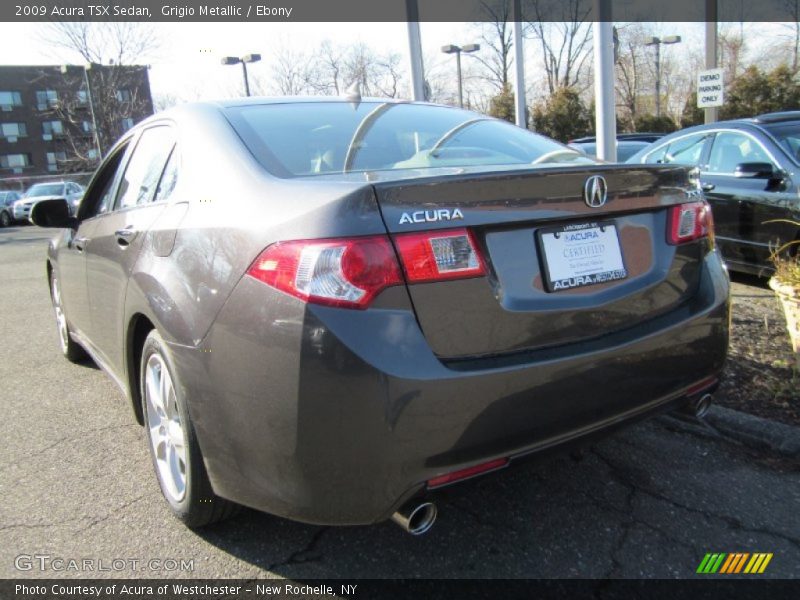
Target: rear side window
(301,139)
(168,178)
(683,151)
(138,185)
(788,136)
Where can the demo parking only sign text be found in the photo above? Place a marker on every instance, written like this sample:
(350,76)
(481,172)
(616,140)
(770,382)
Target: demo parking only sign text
(709,88)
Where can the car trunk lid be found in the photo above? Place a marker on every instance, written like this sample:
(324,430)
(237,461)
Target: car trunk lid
(518,221)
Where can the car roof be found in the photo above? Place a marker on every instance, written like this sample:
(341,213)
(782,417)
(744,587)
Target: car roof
(778,117)
(639,136)
(259,100)
(59,182)
(752,122)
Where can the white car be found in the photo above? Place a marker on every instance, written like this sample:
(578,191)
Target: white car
(69,190)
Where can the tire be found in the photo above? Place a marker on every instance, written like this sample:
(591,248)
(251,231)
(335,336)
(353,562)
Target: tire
(173,445)
(5,219)
(71,350)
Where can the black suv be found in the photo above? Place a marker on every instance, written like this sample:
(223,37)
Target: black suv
(750,173)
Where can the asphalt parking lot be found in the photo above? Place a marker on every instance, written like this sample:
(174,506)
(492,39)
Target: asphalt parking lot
(76,483)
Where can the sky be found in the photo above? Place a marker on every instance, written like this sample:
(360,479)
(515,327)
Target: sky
(190,54)
(187,64)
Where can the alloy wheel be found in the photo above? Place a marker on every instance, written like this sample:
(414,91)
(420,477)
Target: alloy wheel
(61,320)
(167,434)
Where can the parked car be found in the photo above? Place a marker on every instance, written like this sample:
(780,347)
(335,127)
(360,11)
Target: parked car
(749,170)
(330,309)
(639,136)
(625,148)
(7,199)
(68,190)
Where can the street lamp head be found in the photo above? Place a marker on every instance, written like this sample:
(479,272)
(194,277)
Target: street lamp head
(470,48)
(251,58)
(230,60)
(450,49)
(671,39)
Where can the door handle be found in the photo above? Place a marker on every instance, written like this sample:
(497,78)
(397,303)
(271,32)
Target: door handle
(707,187)
(80,243)
(125,236)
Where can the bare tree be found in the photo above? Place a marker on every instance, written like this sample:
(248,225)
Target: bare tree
(290,72)
(565,45)
(327,73)
(793,8)
(93,118)
(104,43)
(333,69)
(495,37)
(164,101)
(630,72)
(732,50)
(109,95)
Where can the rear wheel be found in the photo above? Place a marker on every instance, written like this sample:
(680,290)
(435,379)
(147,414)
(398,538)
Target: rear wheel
(5,219)
(71,350)
(173,447)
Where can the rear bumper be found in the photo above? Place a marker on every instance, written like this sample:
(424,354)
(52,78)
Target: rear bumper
(333,416)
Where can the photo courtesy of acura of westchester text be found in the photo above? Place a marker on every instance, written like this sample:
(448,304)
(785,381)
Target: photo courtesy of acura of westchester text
(481,290)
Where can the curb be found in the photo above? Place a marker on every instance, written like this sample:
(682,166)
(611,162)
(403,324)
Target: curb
(754,431)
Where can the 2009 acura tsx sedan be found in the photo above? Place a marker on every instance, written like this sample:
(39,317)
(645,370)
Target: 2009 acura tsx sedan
(328,309)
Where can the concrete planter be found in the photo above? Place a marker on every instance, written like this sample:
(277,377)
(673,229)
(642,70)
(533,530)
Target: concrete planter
(789,297)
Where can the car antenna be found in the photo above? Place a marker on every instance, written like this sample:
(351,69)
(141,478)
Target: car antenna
(353,94)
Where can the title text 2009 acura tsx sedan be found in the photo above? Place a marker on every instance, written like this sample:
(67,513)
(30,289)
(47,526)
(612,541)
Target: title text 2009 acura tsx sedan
(328,309)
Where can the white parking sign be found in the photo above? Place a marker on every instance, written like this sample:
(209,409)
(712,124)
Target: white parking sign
(710,88)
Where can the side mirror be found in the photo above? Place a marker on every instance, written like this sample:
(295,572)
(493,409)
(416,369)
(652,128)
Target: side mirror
(755,170)
(53,213)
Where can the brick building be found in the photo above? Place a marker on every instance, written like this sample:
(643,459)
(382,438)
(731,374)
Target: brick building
(62,119)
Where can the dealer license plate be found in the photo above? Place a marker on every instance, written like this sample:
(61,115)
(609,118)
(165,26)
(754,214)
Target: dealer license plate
(580,255)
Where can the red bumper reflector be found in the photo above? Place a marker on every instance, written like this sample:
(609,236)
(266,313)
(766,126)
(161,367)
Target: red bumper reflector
(702,386)
(492,465)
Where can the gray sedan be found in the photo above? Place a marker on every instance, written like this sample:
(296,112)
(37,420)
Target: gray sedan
(331,309)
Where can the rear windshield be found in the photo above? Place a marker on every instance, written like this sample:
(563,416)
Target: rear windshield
(45,189)
(316,138)
(788,136)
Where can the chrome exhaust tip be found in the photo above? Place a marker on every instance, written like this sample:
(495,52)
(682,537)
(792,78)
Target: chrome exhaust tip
(698,407)
(416,518)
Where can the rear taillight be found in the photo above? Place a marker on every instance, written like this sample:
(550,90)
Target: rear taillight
(340,272)
(439,255)
(689,222)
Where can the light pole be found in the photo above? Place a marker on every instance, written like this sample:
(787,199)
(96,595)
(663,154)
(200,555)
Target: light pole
(235,60)
(656,42)
(452,49)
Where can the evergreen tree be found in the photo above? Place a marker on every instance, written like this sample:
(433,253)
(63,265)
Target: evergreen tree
(562,116)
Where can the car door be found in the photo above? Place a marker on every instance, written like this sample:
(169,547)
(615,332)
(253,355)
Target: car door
(71,263)
(117,240)
(744,207)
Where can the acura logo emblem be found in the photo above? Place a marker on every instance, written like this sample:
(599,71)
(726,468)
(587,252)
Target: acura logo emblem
(595,191)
